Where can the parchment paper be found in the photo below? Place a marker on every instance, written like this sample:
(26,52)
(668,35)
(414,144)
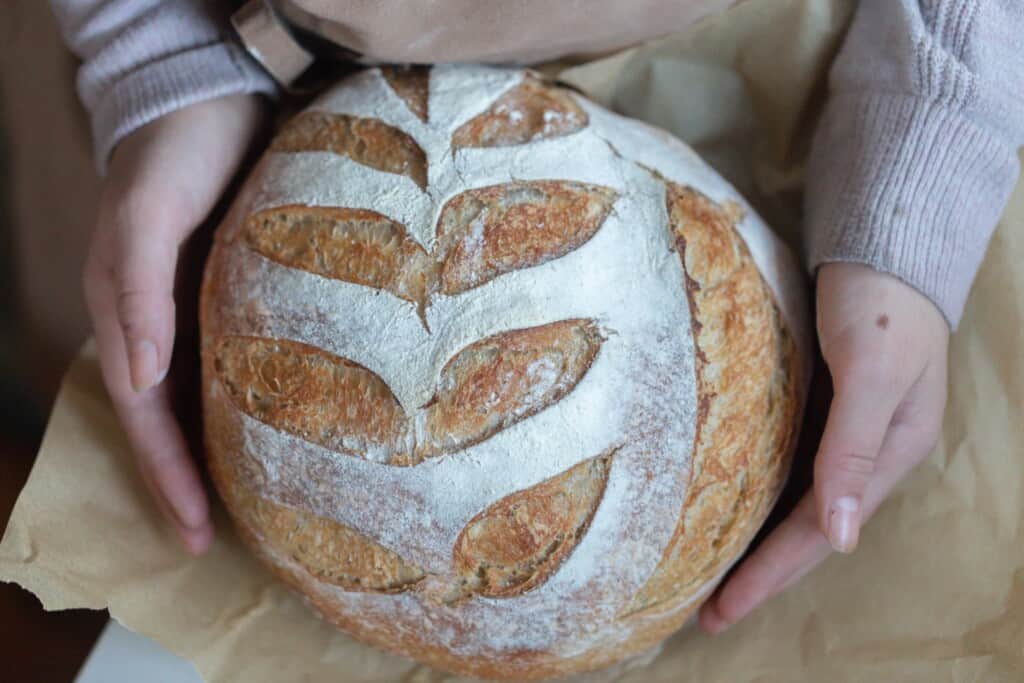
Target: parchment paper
(935,591)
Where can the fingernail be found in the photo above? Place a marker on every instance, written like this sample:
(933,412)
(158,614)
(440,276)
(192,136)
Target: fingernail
(163,375)
(718,625)
(143,364)
(197,541)
(843,524)
(713,622)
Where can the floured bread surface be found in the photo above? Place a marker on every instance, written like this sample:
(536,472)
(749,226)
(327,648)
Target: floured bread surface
(497,379)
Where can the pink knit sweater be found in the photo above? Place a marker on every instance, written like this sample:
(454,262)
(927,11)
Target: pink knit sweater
(911,167)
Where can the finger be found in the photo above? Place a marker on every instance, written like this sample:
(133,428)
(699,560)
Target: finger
(150,212)
(197,539)
(858,419)
(149,422)
(788,553)
(164,459)
(797,546)
(147,236)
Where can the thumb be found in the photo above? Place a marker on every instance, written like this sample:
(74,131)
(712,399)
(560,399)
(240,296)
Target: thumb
(145,259)
(858,420)
(171,173)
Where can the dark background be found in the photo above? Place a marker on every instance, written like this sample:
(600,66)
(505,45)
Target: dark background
(48,191)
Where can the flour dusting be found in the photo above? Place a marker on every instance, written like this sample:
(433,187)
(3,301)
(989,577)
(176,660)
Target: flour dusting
(626,278)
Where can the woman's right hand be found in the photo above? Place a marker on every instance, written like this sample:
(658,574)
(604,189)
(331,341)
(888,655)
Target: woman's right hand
(163,181)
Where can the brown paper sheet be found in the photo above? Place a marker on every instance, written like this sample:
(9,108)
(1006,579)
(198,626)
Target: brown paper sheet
(934,593)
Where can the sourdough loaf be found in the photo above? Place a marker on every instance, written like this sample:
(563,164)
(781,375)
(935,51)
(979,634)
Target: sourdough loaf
(495,378)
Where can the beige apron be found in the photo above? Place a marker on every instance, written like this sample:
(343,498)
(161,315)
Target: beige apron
(287,36)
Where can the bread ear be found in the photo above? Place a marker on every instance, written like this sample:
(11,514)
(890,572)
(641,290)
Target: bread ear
(530,111)
(489,231)
(366,141)
(412,84)
(314,395)
(503,379)
(520,541)
(354,245)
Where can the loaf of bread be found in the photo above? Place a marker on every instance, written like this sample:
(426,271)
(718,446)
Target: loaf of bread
(497,379)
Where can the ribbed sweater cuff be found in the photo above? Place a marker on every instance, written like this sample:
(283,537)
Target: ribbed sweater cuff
(170,84)
(910,187)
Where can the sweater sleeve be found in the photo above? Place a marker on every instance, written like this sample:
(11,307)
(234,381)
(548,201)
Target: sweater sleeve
(916,154)
(142,59)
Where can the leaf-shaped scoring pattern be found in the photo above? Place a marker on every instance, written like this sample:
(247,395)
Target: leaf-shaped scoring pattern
(412,84)
(330,551)
(341,405)
(369,142)
(314,395)
(482,233)
(489,231)
(500,380)
(354,245)
(530,111)
(518,542)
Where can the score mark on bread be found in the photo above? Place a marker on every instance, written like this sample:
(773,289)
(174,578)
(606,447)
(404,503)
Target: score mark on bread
(341,405)
(500,380)
(314,395)
(746,373)
(370,142)
(482,233)
(328,550)
(354,245)
(517,543)
(489,231)
(528,112)
(412,84)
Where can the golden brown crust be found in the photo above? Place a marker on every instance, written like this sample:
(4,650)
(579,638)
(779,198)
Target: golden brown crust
(746,374)
(369,142)
(354,245)
(328,550)
(498,381)
(340,405)
(489,231)
(412,84)
(517,543)
(312,394)
(524,665)
(482,233)
(228,464)
(746,371)
(533,110)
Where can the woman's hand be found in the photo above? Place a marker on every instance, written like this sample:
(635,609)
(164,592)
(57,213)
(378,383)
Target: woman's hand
(163,181)
(885,345)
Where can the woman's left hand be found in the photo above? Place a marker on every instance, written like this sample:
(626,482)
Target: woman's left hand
(886,347)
